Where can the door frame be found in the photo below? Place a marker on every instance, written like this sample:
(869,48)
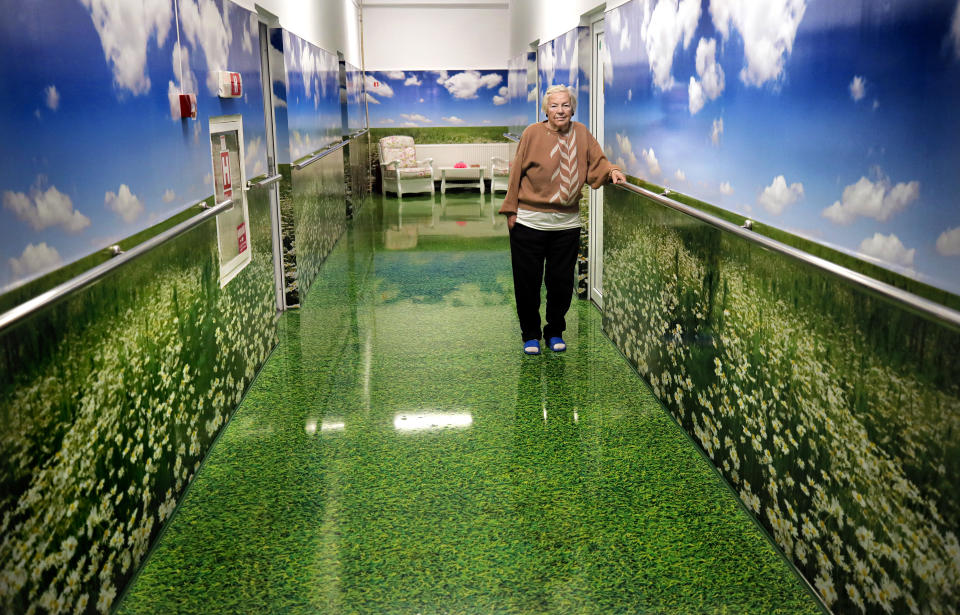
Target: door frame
(266,85)
(595,238)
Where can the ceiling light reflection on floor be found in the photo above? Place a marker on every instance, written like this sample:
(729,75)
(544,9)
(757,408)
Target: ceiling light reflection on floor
(424,421)
(332,425)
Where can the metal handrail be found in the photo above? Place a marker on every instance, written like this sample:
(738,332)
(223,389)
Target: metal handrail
(264,182)
(300,165)
(512,137)
(913,302)
(85,279)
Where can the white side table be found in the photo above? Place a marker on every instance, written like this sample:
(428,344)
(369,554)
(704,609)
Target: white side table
(469,177)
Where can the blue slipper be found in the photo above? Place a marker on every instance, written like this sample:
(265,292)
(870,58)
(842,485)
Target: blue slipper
(557,344)
(531,346)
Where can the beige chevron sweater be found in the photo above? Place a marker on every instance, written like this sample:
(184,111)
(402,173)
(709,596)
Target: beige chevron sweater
(550,168)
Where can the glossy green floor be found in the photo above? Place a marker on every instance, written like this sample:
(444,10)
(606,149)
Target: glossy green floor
(398,454)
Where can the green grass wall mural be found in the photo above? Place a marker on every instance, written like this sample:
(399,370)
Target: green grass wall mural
(833,413)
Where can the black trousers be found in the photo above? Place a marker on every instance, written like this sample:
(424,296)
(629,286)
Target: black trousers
(535,253)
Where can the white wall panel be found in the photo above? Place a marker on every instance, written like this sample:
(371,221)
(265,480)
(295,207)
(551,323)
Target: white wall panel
(437,36)
(544,20)
(332,25)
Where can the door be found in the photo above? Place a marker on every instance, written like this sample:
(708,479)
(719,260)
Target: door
(595,240)
(266,84)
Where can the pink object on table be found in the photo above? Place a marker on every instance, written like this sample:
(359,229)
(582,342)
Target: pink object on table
(460,165)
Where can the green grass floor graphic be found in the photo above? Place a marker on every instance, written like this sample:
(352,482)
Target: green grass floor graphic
(399,454)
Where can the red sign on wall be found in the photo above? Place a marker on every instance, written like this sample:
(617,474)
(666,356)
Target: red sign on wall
(242,237)
(225,168)
(235,84)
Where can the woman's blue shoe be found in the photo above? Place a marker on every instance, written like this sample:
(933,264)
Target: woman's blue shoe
(531,346)
(557,344)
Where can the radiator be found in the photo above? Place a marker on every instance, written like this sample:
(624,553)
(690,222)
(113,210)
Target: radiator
(447,155)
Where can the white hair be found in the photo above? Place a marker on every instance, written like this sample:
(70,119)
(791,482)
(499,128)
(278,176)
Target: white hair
(560,89)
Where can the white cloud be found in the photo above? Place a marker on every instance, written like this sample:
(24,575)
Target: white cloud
(663,30)
(411,124)
(887,248)
(778,196)
(768,29)
(653,165)
(51,97)
(371,99)
(378,87)
(123,203)
(125,28)
(204,27)
(415,117)
(464,85)
(876,104)
(695,96)
(43,208)
(858,87)
(717,131)
(441,75)
(547,61)
(34,259)
(253,156)
(169,195)
(630,94)
(948,243)
(252,29)
(680,176)
(395,74)
(726,189)
(872,200)
(955,31)
(626,148)
(422,100)
(452,119)
(412,80)
(711,74)
(499,100)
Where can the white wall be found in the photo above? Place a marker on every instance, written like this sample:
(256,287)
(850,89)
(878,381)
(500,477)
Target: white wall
(544,20)
(332,25)
(429,35)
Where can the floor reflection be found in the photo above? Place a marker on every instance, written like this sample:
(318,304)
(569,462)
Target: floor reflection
(418,462)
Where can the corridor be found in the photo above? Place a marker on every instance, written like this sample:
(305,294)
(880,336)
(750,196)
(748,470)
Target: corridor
(397,453)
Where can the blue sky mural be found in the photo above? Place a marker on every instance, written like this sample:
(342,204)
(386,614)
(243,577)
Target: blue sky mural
(517,94)
(565,60)
(834,121)
(311,95)
(88,119)
(356,110)
(438,98)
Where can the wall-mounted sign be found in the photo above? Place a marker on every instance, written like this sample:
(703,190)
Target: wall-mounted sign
(188,106)
(231,86)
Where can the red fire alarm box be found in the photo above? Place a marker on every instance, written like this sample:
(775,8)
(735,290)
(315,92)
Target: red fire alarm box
(225,168)
(231,86)
(188,106)
(242,237)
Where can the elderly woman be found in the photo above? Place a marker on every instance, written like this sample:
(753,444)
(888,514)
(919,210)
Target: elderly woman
(554,159)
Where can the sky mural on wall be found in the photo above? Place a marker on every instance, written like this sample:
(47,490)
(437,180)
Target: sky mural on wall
(834,121)
(310,97)
(89,119)
(565,60)
(437,98)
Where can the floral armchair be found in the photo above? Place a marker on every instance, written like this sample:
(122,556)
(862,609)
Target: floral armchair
(499,174)
(402,172)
